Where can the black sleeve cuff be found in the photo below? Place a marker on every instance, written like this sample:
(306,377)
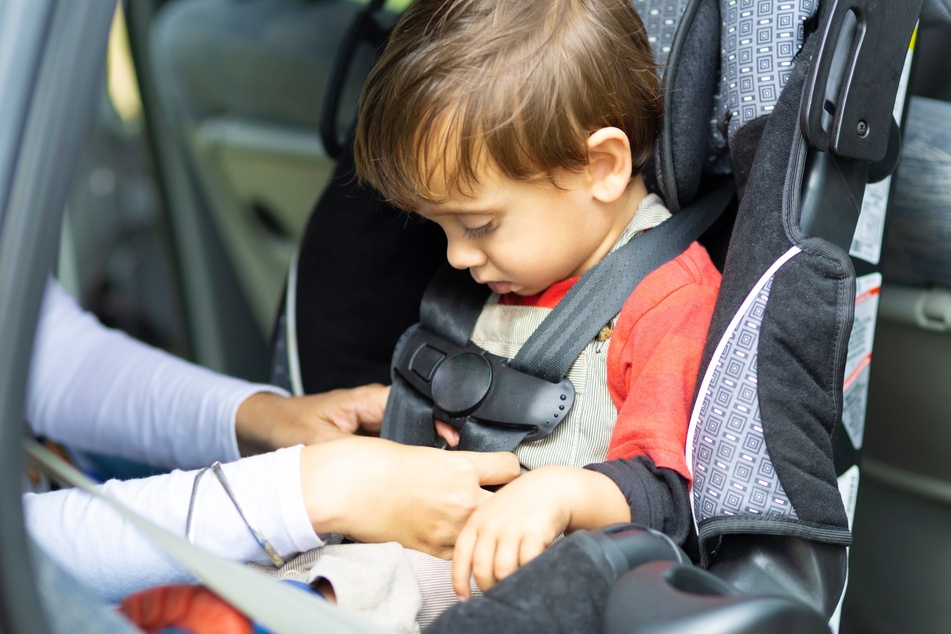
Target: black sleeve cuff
(658,497)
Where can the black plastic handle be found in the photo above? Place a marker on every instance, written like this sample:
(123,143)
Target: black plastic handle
(363,30)
(673,598)
(850,92)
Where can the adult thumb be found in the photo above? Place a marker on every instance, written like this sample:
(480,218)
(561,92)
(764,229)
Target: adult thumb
(497,467)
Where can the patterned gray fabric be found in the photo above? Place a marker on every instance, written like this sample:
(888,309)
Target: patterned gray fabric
(661,19)
(733,472)
(759,40)
(758,45)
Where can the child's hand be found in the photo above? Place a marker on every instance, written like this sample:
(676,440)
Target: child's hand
(510,529)
(519,522)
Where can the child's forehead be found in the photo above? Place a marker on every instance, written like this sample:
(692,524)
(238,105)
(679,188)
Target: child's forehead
(450,172)
(458,200)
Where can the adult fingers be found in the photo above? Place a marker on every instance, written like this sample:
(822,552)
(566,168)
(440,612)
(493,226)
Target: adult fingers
(495,468)
(442,551)
(369,405)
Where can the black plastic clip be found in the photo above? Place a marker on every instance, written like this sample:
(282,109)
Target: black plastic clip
(850,92)
(469,382)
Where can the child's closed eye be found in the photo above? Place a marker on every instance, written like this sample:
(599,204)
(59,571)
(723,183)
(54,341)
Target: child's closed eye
(477,232)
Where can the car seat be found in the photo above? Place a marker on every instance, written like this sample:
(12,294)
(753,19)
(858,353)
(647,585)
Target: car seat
(801,131)
(788,370)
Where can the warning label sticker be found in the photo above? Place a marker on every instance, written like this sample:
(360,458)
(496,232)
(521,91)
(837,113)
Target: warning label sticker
(870,230)
(867,240)
(855,387)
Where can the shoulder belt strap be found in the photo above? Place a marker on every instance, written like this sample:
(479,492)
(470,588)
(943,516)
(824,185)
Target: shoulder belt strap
(280,608)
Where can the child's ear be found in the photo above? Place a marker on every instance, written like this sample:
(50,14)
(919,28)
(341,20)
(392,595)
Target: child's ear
(609,163)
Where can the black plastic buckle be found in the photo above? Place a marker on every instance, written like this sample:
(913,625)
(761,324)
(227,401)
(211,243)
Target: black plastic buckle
(469,382)
(850,92)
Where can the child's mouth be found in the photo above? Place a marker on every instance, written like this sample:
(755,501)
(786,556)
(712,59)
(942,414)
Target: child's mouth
(499,287)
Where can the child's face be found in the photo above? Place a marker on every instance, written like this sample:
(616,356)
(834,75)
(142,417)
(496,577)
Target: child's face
(522,237)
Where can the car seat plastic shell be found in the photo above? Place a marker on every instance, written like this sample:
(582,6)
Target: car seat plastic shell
(853,81)
(680,598)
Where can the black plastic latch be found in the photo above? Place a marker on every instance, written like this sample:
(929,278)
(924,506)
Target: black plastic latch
(850,92)
(468,382)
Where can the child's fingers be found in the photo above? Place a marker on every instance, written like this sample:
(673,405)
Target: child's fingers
(529,548)
(483,561)
(462,563)
(507,553)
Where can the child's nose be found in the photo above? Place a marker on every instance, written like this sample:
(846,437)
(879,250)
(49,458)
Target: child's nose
(464,256)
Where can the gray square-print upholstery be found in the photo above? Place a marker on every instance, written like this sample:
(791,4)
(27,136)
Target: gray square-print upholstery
(733,471)
(661,19)
(759,42)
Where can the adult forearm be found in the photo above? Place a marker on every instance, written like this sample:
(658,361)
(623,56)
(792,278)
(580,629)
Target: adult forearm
(100,390)
(91,540)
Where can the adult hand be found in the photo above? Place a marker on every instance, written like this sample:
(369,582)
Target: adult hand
(374,490)
(267,421)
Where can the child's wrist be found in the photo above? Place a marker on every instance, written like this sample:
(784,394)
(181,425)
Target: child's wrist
(594,500)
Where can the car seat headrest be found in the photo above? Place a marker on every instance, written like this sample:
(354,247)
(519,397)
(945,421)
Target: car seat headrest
(688,63)
(714,92)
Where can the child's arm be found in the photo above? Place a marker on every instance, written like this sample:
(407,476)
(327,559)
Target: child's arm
(655,354)
(517,523)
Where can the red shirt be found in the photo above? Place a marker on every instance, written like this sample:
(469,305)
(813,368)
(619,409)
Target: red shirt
(654,355)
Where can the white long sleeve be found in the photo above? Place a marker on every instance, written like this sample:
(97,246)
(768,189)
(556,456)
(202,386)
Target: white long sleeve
(98,389)
(107,554)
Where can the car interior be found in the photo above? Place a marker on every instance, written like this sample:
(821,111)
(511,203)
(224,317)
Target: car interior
(211,227)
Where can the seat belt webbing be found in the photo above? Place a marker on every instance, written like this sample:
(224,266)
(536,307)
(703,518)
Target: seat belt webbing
(281,608)
(450,307)
(600,294)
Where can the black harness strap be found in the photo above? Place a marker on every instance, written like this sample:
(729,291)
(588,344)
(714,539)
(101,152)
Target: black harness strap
(453,302)
(450,308)
(600,294)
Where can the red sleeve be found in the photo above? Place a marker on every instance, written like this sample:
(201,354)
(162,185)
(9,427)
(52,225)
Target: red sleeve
(654,357)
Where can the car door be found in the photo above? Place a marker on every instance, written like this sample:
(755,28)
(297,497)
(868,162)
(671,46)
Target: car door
(51,58)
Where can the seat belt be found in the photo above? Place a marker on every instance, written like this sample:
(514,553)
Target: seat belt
(281,608)
(431,378)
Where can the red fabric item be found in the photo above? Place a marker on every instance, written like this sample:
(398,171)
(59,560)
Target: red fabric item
(192,608)
(654,355)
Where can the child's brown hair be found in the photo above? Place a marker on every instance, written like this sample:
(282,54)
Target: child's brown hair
(522,83)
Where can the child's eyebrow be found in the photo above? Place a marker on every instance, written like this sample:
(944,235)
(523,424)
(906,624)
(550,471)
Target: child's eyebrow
(458,212)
